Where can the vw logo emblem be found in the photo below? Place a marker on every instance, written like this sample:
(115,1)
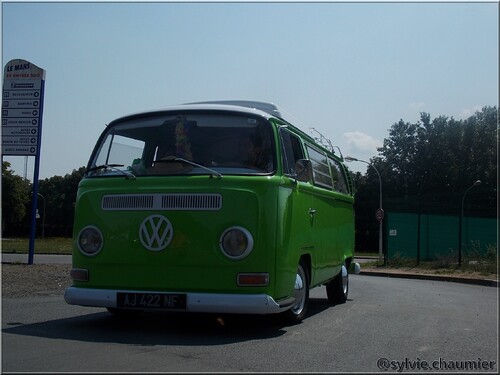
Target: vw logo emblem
(156,232)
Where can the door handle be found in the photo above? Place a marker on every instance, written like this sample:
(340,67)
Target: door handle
(312,212)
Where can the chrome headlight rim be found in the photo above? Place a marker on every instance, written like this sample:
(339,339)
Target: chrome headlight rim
(98,232)
(249,243)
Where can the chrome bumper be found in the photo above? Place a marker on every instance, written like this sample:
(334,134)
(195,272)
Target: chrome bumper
(195,302)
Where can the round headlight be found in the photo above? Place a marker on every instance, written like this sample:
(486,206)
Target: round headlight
(236,242)
(90,241)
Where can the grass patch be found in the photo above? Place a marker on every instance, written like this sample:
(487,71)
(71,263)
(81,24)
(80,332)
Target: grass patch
(474,260)
(55,245)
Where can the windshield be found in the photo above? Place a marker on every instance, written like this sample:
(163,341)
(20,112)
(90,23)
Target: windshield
(173,144)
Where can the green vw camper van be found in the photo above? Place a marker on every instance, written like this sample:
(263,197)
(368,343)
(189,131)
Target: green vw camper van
(211,207)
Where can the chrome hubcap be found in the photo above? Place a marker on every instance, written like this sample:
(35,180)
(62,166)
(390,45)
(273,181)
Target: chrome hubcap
(345,280)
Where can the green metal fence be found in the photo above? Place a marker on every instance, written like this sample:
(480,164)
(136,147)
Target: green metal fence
(438,235)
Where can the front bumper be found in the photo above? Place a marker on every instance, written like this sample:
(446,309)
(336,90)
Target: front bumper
(195,302)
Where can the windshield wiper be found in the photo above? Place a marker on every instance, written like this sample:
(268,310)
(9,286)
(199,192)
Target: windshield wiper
(210,170)
(127,175)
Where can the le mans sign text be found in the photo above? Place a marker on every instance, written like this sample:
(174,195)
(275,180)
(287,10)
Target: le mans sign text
(22,108)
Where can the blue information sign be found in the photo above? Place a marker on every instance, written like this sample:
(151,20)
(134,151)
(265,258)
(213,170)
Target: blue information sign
(22,110)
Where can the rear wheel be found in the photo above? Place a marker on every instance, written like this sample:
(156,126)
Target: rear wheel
(301,294)
(337,289)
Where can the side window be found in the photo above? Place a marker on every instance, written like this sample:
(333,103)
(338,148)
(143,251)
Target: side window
(292,151)
(339,182)
(321,169)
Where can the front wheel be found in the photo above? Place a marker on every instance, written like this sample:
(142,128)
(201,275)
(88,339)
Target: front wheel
(337,289)
(301,294)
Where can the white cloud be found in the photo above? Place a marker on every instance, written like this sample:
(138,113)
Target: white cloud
(360,142)
(360,146)
(469,112)
(417,105)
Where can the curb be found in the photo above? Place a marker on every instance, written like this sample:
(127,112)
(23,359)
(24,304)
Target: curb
(484,282)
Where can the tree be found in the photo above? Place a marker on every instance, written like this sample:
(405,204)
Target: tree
(57,206)
(427,166)
(60,195)
(15,199)
(438,160)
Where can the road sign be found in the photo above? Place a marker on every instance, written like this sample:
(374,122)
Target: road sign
(379,214)
(22,108)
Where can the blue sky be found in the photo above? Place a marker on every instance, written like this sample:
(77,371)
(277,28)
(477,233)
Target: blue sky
(350,70)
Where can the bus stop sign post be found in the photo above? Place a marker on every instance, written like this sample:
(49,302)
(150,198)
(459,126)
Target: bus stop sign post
(22,112)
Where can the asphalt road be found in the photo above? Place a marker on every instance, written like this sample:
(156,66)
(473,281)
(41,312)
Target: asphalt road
(407,322)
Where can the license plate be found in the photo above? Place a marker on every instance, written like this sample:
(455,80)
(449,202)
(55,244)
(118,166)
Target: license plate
(151,300)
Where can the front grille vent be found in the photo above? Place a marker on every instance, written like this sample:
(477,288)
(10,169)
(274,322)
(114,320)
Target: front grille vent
(180,202)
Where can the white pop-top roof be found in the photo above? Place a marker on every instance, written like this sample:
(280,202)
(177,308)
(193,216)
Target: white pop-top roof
(269,108)
(246,106)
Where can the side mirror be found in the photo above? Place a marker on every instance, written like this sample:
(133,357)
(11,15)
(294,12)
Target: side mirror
(303,170)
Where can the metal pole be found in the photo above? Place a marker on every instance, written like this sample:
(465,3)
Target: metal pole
(478,182)
(380,229)
(36,172)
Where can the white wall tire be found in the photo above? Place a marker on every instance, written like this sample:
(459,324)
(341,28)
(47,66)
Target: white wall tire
(337,289)
(301,294)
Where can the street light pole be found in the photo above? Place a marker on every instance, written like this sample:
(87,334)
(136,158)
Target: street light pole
(380,230)
(478,182)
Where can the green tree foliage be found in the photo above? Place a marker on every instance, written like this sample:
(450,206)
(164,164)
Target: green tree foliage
(56,203)
(60,197)
(427,166)
(15,198)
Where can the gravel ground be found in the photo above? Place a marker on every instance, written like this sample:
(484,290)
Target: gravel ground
(22,280)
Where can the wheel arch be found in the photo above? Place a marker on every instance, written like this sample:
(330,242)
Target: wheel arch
(348,261)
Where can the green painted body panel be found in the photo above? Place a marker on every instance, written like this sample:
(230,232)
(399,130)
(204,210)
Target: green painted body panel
(193,260)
